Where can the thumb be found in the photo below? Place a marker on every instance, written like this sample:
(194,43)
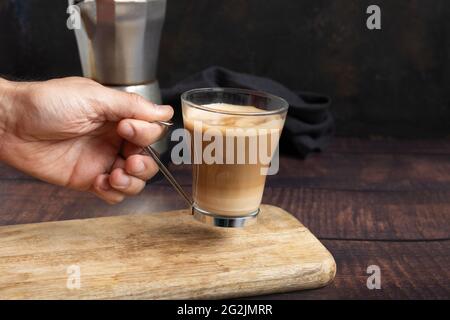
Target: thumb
(117,105)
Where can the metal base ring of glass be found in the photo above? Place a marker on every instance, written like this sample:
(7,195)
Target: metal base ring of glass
(224,221)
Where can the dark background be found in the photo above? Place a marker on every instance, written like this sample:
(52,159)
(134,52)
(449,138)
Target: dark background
(389,82)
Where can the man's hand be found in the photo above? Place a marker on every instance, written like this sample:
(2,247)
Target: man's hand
(77,133)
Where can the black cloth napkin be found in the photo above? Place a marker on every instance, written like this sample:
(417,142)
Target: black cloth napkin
(309,124)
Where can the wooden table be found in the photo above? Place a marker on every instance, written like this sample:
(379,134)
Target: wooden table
(371,202)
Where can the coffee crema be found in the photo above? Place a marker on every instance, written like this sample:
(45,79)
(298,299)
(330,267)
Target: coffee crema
(236,188)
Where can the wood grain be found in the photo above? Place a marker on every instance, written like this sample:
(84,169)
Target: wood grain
(327,213)
(370,172)
(380,201)
(351,164)
(357,172)
(409,270)
(421,215)
(161,256)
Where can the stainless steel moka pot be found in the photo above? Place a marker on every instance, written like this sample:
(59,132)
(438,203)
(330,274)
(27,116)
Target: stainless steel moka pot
(118,43)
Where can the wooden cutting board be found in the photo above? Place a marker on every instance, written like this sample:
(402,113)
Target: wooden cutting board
(166,255)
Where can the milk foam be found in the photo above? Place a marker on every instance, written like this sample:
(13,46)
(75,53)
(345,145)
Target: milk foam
(222,121)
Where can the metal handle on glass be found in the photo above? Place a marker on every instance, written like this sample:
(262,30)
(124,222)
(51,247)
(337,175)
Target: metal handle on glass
(166,171)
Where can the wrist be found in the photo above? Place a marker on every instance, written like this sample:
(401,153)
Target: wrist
(7,93)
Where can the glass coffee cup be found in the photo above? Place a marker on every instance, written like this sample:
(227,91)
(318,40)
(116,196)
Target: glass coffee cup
(234,135)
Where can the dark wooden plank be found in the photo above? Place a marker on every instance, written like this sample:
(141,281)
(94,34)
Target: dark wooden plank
(327,213)
(389,148)
(367,215)
(34,201)
(383,172)
(9,173)
(375,172)
(340,171)
(409,270)
(353,191)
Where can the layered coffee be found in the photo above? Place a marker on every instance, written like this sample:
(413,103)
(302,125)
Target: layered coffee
(231,181)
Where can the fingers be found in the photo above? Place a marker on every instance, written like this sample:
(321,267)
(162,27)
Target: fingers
(123,182)
(142,167)
(126,179)
(117,105)
(103,190)
(140,132)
